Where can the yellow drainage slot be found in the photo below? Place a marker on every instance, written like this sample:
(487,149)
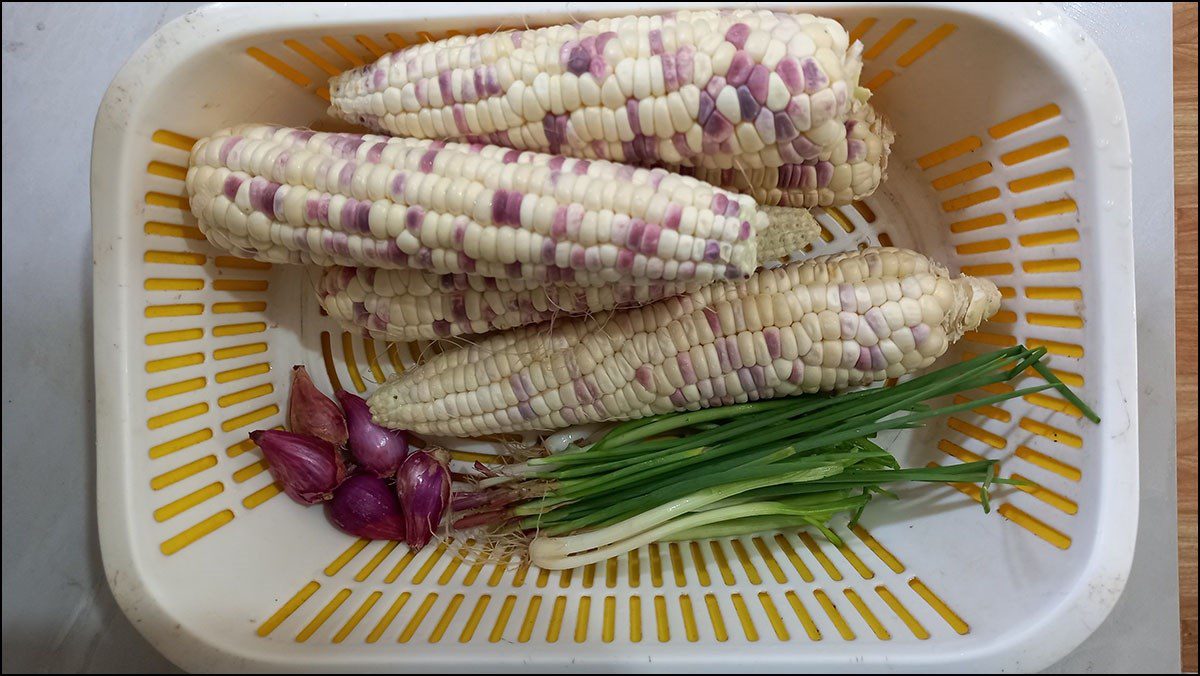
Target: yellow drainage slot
(426,36)
(609,620)
(342,51)
(170,138)
(656,576)
(1007,292)
(240,306)
(635,569)
(793,557)
(373,360)
(249,471)
(1039,149)
(714,616)
(1042,180)
(240,447)
(279,66)
(261,495)
(417,618)
(983,246)
(345,557)
(164,391)
(177,507)
(939,606)
(397,41)
(239,350)
(1004,317)
(978,223)
(351,623)
(502,619)
(393,355)
(519,577)
(1060,321)
(635,619)
(180,310)
(164,337)
(329,609)
(1051,265)
(676,566)
(173,230)
(371,45)
(245,395)
(399,567)
(424,570)
(885,239)
(1055,347)
(240,284)
(249,418)
(816,551)
(180,443)
(689,619)
(806,621)
(314,58)
(498,571)
(243,372)
(1055,208)
(954,450)
(722,562)
(660,619)
(765,553)
(861,568)
(1052,433)
(240,263)
(473,619)
(971,199)
(888,38)
(473,573)
(747,565)
(864,210)
(450,569)
(988,338)
(388,548)
(927,43)
(699,564)
(1024,121)
(388,616)
(988,269)
(826,236)
(351,365)
(880,79)
(446,574)
(993,412)
(1059,502)
(589,575)
(863,26)
(166,170)
(1048,463)
(1048,238)
(1072,379)
(327,355)
(949,152)
(178,415)
(873,622)
(1053,293)
(898,608)
(963,427)
(173,284)
(831,610)
(1035,526)
(187,537)
(159,199)
(543,577)
(879,550)
(581,620)
(285,611)
(961,176)
(448,616)
(777,624)
(840,219)
(748,627)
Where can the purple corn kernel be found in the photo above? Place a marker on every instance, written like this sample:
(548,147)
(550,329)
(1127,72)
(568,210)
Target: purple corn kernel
(684,62)
(707,106)
(744,234)
(856,150)
(227,147)
(824,173)
(878,361)
(808,177)
(413,218)
(346,175)
(672,218)
(814,78)
(445,87)
(397,190)
(656,43)
(789,71)
(864,359)
(685,367)
(797,374)
(759,82)
(806,148)
(677,398)
(739,70)
(650,236)
(718,128)
(232,184)
(785,131)
(579,61)
(737,34)
(670,76)
(771,336)
(712,251)
(920,333)
(746,103)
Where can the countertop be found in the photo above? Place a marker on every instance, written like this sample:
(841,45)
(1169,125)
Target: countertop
(58,614)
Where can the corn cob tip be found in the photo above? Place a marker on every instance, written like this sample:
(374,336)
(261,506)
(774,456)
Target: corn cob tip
(979,301)
(788,231)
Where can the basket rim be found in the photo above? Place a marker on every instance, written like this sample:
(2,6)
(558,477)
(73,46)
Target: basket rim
(1029,647)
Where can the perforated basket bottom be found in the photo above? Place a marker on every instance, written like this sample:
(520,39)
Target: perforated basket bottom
(786,586)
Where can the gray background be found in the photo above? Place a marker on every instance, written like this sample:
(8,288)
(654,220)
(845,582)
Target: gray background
(58,614)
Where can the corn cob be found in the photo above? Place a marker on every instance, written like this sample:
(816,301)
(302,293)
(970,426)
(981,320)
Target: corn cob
(720,89)
(825,324)
(293,196)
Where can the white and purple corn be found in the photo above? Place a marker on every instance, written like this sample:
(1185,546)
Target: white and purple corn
(716,89)
(287,195)
(825,324)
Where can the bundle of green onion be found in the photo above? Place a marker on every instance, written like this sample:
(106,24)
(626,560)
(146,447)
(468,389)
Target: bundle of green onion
(766,465)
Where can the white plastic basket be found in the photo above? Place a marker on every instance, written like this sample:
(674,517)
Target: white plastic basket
(1012,161)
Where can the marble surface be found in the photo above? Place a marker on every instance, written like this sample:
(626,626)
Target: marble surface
(58,614)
